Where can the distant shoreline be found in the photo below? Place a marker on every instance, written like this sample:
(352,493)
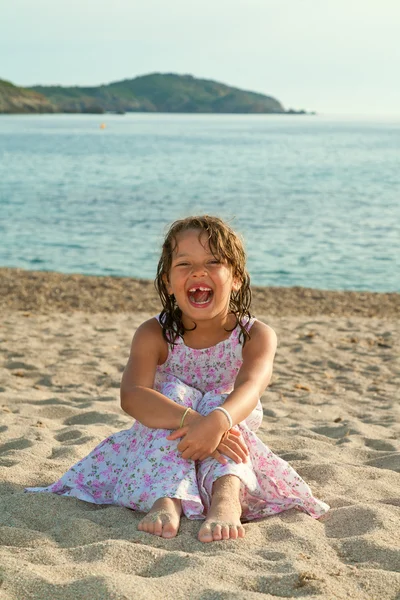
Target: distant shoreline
(152,93)
(45,292)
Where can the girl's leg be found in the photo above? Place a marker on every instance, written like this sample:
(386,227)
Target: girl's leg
(178,476)
(223,517)
(220,487)
(163,518)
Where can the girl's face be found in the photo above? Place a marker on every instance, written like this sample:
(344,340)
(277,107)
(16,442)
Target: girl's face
(201,283)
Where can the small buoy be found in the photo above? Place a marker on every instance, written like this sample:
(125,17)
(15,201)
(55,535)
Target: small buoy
(103,126)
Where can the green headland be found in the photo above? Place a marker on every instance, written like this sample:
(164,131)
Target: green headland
(156,92)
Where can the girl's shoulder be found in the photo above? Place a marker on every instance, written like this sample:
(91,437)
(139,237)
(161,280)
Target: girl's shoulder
(149,335)
(260,349)
(260,331)
(150,327)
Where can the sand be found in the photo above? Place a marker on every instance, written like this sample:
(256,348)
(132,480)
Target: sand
(332,411)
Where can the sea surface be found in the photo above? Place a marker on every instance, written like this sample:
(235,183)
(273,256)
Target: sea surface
(316,198)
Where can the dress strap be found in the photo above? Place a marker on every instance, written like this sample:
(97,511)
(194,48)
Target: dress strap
(247,324)
(178,338)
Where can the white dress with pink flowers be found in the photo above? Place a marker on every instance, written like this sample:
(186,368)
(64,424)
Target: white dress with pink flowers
(135,467)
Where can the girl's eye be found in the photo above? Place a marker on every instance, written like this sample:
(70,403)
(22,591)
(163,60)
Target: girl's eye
(215,261)
(182,264)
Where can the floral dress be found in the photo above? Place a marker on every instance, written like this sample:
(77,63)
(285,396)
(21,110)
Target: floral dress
(135,467)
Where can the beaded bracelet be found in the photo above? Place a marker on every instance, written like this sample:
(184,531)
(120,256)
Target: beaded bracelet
(228,416)
(183,416)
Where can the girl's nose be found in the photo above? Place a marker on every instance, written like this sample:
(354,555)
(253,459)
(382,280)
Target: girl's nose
(199,270)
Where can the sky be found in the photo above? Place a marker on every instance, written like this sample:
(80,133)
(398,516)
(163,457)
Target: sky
(331,56)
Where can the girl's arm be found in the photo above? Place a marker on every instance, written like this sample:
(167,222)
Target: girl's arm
(151,408)
(251,381)
(254,374)
(138,398)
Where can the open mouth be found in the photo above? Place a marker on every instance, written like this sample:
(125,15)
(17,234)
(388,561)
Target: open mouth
(200,296)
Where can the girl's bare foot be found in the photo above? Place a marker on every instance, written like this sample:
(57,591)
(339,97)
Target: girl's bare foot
(163,518)
(223,518)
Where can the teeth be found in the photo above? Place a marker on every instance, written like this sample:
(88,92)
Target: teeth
(202,289)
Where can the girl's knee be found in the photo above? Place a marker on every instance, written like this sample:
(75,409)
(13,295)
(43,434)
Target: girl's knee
(181,393)
(210,401)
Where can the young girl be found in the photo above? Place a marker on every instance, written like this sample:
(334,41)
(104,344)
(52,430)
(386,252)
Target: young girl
(193,384)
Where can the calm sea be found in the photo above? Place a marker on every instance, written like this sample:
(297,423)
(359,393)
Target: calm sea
(316,198)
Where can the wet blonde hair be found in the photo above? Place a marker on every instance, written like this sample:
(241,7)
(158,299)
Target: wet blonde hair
(225,245)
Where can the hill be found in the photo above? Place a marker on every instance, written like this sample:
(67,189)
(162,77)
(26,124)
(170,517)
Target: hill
(15,99)
(156,92)
(161,93)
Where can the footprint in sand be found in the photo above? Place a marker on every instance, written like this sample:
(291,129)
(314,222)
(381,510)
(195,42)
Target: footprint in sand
(336,432)
(350,521)
(65,452)
(383,421)
(18,444)
(106,380)
(322,473)
(283,586)
(74,438)
(25,538)
(370,554)
(45,381)
(66,436)
(390,461)
(167,564)
(105,398)
(50,402)
(12,365)
(121,555)
(69,352)
(380,445)
(94,418)
(279,533)
(57,412)
(8,462)
(291,456)
(271,555)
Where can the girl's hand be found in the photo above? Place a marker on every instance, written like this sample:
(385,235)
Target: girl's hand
(233,446)
(202,437)
(199,440)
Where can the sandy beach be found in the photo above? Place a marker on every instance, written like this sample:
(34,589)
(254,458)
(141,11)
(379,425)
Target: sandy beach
(331,410)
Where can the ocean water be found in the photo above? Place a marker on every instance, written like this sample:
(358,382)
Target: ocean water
(316,198)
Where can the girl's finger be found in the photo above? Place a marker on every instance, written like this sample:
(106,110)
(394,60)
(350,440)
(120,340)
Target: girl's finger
(218,457)
(178,433)
(182,446)
(188,454)
(238,442)
(233,447)
(229,453)
(234,432)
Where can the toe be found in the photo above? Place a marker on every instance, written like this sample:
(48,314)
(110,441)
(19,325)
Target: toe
(241,531)
(169,530)
(233,532)
(142,526)
(225,532)
(157,527)
(205,534)
(217,535)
